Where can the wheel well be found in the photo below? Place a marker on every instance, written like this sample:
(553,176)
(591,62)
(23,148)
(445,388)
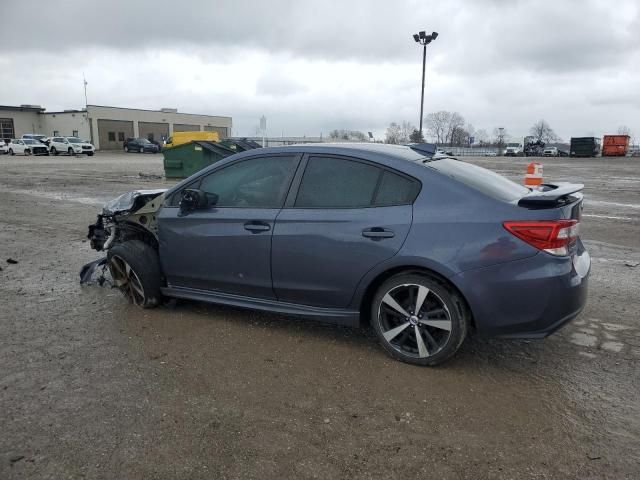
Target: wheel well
(367,298)
(131,231)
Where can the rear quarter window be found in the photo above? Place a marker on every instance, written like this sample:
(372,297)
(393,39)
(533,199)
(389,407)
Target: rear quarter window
(485,181)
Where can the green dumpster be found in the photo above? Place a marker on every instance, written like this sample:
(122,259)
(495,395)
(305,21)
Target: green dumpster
(186,159)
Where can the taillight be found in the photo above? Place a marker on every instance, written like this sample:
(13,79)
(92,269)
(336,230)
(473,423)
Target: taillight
(552,236)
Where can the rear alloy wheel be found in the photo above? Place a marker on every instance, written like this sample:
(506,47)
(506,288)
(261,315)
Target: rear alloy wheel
(27,151)
(418,320)
(126,149)
(141,150)
(135,270)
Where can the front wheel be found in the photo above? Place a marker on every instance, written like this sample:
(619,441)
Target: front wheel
(27,152)
(70,151)
(135,268)
(54,151)
(418,320)
(11,151)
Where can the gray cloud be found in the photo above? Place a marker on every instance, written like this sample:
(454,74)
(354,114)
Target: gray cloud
(317,65)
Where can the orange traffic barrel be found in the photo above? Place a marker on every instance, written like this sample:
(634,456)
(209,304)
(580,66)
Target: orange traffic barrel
(533,177)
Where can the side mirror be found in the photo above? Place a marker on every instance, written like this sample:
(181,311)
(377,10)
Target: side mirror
(195,199)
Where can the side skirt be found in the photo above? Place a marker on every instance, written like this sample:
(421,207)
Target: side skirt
(349,318)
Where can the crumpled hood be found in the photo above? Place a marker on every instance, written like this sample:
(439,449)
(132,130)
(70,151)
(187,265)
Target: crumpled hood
(130,201)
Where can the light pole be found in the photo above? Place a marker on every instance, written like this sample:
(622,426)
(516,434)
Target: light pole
(423,39)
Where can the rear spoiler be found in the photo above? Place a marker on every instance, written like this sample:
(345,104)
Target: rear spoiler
(550,194)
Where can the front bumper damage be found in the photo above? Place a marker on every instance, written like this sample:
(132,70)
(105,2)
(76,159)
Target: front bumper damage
(131,215)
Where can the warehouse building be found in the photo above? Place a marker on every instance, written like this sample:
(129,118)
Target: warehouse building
(107,127)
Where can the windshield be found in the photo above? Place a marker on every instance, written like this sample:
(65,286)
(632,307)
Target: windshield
(486,181)
(143,140)
(30,141)
(74,140)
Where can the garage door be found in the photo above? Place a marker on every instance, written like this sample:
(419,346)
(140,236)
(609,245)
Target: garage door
(184,127)
(112,133)
(222,131)
(154,131)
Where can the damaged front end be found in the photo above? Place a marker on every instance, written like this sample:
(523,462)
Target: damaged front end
(129,216)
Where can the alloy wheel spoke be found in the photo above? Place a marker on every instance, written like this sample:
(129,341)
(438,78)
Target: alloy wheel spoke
(440,324)
(388,299)
(116,265)
(136,287)
(394,332)
(422,294)
(422,348)
(436,311)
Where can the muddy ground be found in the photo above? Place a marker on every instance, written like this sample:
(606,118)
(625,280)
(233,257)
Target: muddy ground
(91,387)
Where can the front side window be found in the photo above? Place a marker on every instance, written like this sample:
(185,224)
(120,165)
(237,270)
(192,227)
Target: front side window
(337,183)
(255,183)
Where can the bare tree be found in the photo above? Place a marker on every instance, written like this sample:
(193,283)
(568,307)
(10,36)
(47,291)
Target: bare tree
(543,132)
(436,124)
(482,136)
(406,129)
(393,134)
(444,126)
(624,130)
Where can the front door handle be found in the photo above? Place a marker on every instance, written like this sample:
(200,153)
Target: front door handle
(377,232)
(256,227)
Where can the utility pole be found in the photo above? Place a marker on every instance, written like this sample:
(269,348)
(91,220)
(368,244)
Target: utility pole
(423,39)
(86,108)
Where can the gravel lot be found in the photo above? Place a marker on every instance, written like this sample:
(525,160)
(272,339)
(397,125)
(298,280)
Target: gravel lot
(91,387)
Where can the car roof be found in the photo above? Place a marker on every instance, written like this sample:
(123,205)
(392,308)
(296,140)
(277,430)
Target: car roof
(365,150)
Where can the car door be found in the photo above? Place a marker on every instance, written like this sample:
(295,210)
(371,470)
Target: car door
(20,147)
(227,248)
(347,216)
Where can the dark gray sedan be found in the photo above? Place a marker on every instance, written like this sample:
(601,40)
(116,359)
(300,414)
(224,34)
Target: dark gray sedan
(424,250)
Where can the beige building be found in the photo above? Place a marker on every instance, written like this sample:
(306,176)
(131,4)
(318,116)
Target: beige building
(107,127)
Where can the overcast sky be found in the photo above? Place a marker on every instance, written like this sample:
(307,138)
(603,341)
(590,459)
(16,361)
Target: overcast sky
(312,66)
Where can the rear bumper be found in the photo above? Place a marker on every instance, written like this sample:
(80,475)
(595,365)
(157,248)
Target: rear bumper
(528,298)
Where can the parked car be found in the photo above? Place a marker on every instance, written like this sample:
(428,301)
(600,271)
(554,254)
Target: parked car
(424,250)
(140,145)
(70,146)
(27,146)
(36,136)
(550,152)
(490,154)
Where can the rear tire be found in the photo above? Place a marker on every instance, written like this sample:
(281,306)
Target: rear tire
(70,151)
(435,324)
(135,268)
(54,151)
(11,151)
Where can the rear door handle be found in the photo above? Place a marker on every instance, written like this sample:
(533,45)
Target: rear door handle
(377,232)
(256,227)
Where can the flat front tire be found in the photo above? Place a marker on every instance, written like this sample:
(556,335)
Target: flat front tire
(419,320)
(135,269)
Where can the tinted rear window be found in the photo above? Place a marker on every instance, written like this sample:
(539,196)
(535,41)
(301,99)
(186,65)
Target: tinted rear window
(396,190)
(481,179)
